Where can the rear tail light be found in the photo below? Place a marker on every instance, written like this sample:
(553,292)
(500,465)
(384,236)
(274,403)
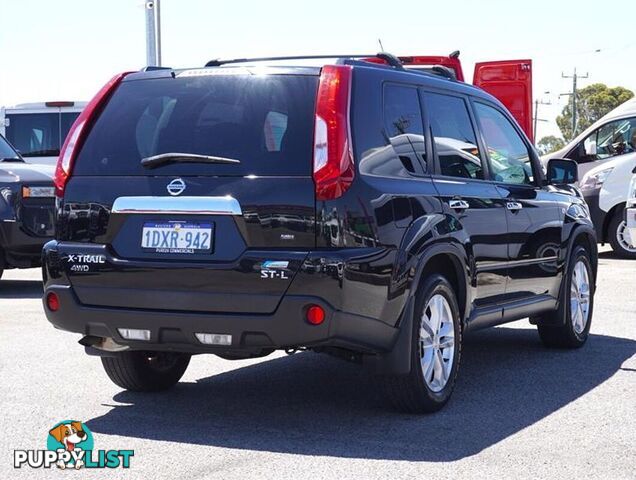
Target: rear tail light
(78,132)
(333,160)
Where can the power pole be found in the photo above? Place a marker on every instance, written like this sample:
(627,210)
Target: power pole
(153,33)
(536,115)
(574,78)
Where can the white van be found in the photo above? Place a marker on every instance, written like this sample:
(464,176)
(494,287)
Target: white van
(610,137)
(38,130)
(607,191)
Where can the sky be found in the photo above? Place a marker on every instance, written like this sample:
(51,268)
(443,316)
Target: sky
(67,49)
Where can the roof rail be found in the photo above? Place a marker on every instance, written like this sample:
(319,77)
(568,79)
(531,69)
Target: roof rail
(152,68)
(387,57)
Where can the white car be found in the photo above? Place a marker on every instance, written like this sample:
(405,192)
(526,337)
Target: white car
(38,130)
(611,137)
(604,188)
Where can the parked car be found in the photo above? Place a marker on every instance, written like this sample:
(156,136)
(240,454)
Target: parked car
(408,254)
(27,204)
(611,137)
(38,130)
(604,189)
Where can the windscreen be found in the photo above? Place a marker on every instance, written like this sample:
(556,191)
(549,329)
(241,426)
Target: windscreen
(6,152)
(39,134)
(263,121)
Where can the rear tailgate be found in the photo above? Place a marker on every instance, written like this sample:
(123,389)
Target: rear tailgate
(211,237)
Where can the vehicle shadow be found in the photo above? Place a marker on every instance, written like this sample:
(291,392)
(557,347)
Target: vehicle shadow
(20,289)
(611,255)
(315,405)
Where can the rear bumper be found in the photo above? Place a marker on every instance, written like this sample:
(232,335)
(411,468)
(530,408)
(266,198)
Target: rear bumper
(286,327)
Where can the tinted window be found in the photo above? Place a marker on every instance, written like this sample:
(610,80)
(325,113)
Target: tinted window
(403,124)
(39,134)
(266,122)
(508,153)
(454,137)
(66,122)
(35,134)
(610,140)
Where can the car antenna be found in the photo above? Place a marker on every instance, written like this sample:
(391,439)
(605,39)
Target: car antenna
(381,46)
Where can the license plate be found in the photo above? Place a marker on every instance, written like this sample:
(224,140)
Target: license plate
(177,237)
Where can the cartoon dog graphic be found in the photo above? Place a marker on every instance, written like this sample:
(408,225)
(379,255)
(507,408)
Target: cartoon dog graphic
(69,435)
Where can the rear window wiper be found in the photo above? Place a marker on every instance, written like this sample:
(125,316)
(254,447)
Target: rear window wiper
(163,158)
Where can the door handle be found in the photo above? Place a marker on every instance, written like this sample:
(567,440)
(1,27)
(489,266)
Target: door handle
(458,204)
(514,206)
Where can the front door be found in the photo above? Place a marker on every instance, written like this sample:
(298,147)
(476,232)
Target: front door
(532,214)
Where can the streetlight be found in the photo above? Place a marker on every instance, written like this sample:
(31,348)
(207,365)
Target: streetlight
(153,33)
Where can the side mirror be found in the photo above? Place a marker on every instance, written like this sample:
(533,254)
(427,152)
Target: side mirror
(562,171)
(590,148)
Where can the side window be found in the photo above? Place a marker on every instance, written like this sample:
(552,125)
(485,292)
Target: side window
(508,153)
(610,140)
(403,125)
(454,136)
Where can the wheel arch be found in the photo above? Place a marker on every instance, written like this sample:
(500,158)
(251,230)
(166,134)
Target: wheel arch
(447,260)
(585,236)
(449,263)
(608,219)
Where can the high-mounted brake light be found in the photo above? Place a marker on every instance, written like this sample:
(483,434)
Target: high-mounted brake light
(79,130)
(333,160)
(59,104)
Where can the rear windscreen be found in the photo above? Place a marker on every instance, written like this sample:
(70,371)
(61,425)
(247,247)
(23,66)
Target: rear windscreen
(264,121)
(39,134)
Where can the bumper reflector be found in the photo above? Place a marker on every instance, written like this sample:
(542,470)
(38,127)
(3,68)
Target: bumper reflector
(315,315)
(53,302)
(134,334)
(214,338)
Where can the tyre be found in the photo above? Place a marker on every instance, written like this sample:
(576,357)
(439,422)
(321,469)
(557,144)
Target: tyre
(576,305)
(619,238)
(435,351)
(146,371)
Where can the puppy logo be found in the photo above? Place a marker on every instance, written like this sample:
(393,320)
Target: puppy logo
(70,436)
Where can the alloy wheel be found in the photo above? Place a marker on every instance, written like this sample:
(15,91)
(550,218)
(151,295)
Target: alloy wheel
(579,297)
(437,342)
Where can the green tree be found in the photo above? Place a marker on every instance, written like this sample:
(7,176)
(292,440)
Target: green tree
(592,103)
(550,144)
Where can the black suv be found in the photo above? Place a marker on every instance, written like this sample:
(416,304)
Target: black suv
(27,205)
(357,209)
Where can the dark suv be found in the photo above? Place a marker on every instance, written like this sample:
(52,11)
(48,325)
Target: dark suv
(27,205)
(358,209)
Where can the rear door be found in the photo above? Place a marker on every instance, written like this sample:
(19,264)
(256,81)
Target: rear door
(470,200)
(510,81)
(213,237)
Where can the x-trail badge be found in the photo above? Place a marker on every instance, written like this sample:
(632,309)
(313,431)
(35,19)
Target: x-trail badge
(176,187)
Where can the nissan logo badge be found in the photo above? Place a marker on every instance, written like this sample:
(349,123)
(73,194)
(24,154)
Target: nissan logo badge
(176,187)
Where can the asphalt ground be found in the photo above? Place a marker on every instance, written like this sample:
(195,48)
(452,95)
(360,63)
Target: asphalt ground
(518,411)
